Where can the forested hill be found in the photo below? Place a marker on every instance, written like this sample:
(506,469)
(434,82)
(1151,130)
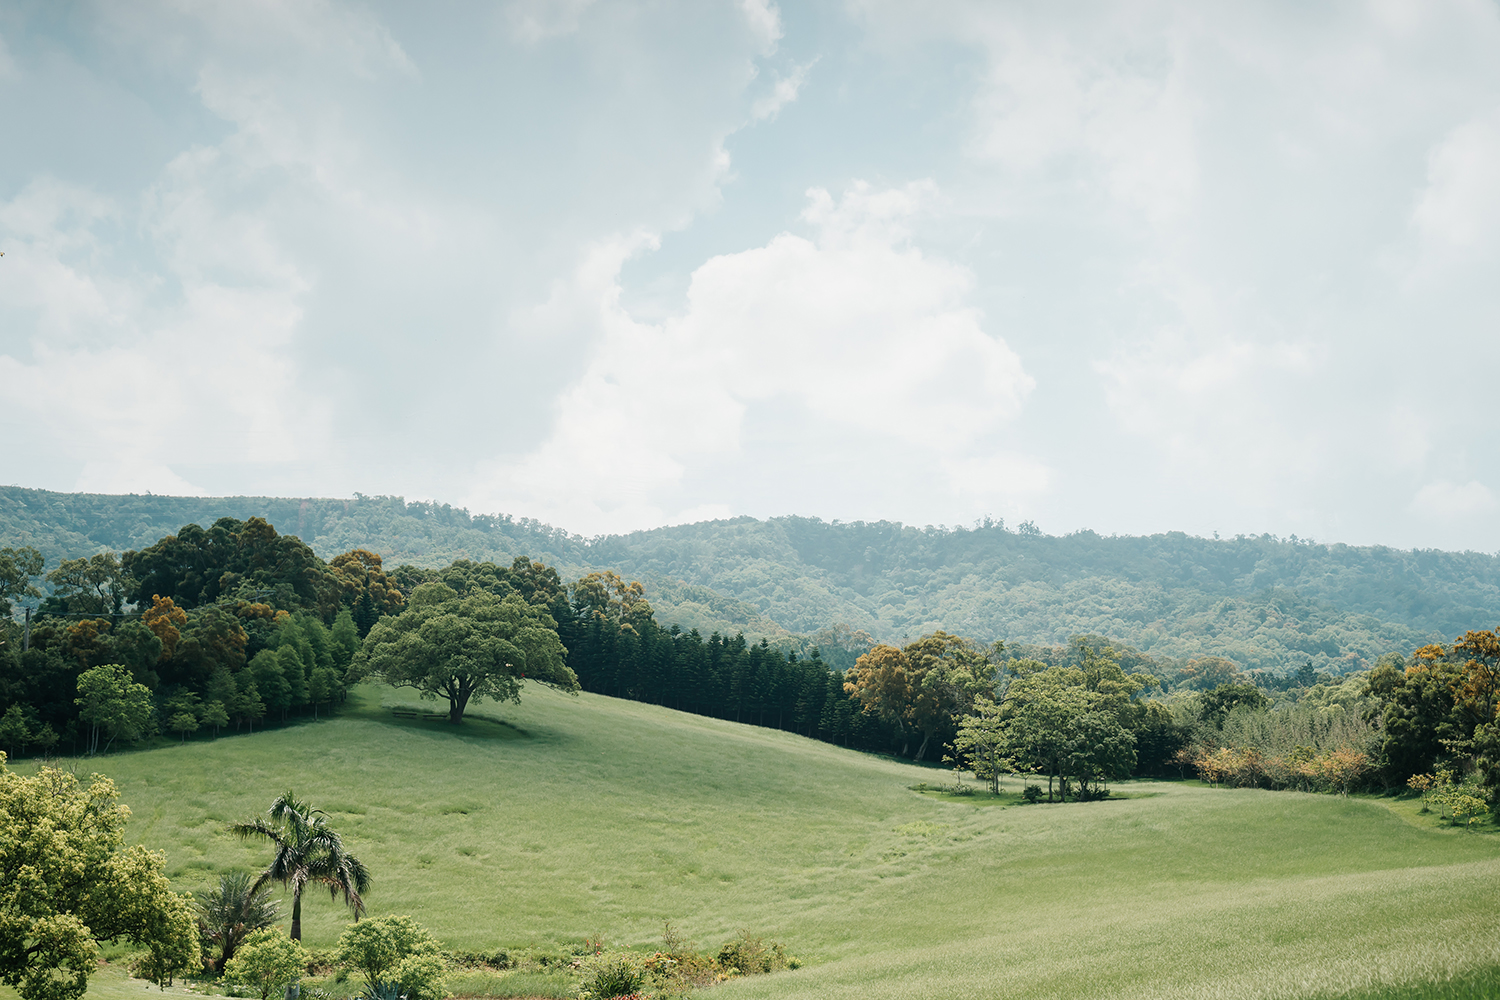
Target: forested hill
(1262,601)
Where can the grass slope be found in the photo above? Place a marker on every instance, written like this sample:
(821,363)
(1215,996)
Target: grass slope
(588,815)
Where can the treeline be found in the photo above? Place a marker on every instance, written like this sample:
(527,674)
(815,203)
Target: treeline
(1268,603)
(207,629)
(236,625)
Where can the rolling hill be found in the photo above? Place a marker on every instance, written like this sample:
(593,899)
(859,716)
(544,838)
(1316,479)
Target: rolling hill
(566,817)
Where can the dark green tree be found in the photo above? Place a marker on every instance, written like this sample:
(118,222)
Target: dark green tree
(17,568)
(464,649)
(230,912)
(95,586)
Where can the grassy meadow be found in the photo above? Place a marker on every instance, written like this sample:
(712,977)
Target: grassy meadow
(587,816)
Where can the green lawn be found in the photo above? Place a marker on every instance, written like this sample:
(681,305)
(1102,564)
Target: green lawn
(590,816)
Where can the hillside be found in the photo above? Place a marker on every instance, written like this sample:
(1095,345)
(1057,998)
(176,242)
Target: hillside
(1265,602)
(591,816)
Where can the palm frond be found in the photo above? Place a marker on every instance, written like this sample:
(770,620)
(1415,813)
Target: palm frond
(307,850)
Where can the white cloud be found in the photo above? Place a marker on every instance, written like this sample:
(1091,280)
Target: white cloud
(783,92)
(1008,475)
(1100,105)
(764,19)
(134,386)
(1460,205)
(1445,500)
(861,331)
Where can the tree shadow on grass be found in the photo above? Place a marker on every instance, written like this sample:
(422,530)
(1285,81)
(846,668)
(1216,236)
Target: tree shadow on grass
(475,726)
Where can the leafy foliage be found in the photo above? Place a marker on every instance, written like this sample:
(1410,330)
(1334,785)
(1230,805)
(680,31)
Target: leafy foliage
(468,648)
(68,882)
(1260,601)
(395,952)
(267,962)
(18,566)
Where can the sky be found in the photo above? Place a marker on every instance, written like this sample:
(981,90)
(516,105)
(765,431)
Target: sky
(1228,268)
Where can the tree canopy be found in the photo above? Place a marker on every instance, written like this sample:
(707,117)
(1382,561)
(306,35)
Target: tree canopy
(466,649)
(17,567)
(231,559)
(926,684)
(67,881)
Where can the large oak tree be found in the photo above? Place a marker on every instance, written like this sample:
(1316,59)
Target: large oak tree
(465,649)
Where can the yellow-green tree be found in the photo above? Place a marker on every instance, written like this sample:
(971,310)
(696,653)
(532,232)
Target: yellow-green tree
(67,882)
(398,951)
(924,686)
(268,962)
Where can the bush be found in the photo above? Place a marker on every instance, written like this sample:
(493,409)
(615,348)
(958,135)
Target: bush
(749,956)
(395,953)
(479,959)
(267,962)
(1032,793)
(608,975)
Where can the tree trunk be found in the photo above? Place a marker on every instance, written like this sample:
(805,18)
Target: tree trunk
(297,915)
(457,702)
(922,750)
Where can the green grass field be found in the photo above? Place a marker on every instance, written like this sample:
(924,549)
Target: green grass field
(589,816)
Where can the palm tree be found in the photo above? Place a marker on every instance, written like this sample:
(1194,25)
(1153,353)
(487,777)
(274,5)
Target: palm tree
(307,850)
(228,914)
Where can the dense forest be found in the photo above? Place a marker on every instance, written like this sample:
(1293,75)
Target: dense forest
(238,625)
(1267,603)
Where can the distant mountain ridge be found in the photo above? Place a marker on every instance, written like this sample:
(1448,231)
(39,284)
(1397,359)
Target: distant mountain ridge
(1263,601)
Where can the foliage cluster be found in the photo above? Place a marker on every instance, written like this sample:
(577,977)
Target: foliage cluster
(395,953)
(67,882)
(1263,601)
(676,968)
(1459,799)
(1078,725)
(466,648)
(234,624)
(1437,712)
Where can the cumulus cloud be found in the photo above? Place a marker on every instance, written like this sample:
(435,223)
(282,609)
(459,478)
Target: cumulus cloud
(1217,406)
(764,20)
(852,326)
(135,389)
(1047,104)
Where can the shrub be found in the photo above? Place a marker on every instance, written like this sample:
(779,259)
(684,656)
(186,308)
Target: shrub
(606,975)
(748,956)
(1032,793)
(267,962)
(479,959)
(395,952)
(231,911)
